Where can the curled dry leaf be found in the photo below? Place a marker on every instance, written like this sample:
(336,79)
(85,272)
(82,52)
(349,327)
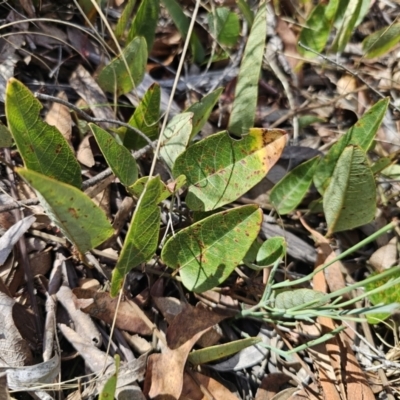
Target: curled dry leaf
(83,323)
(104,307)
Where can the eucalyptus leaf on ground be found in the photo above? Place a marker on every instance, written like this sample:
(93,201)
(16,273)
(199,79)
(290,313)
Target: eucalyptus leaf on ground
(350,199)
(82,222)
(217,352)
(207,252)
(361,134)
(117,156)
(126,71)
(220,169)
(42,147)
(142,237)
(287,194)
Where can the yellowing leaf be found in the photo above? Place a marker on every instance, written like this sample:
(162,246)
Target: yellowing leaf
(220,169)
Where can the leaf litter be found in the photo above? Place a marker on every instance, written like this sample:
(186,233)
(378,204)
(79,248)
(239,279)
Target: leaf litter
(150,277)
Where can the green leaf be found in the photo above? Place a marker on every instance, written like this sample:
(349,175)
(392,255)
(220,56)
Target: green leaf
(245,9)
(220,169)
(123,19)
(142,238)
(182,23)
(271,250)
(224,26)
(145,22)
(145,118)
(118,157)
(5,136)
(316,32)
(137,188)
(176,137)
(392,171)
(388,296)
(352,182)
(381,164)
(381,42)
(82,222)
(202,109)
(287,194)
(109,388)
(347,25)
(217,352)
(207,252)
(42,147)
(246,93)
(116,77)
(294,298)
(360,134)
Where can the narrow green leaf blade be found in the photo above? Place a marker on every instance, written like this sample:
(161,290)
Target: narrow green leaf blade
(217,352)
(347,26)
(246,93)
(145,118)
(123,20)
(142,238)
(202,110)
(220,169)
(382,41)
(145,22)
(82,222)
(42,147)
(175,137)
(352,184)
(287,194)
(207,252)
(361,134)
(316,32)
(182,23)
(115,76)
(118,157)
(224,25)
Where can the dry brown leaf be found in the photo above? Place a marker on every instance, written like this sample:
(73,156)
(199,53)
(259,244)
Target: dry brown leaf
(385,257)
(103,307)
(85,153)
(195,384)
(271,385)
(14,350)
(60,117)
(90,91)
(164,377)
(189,322)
